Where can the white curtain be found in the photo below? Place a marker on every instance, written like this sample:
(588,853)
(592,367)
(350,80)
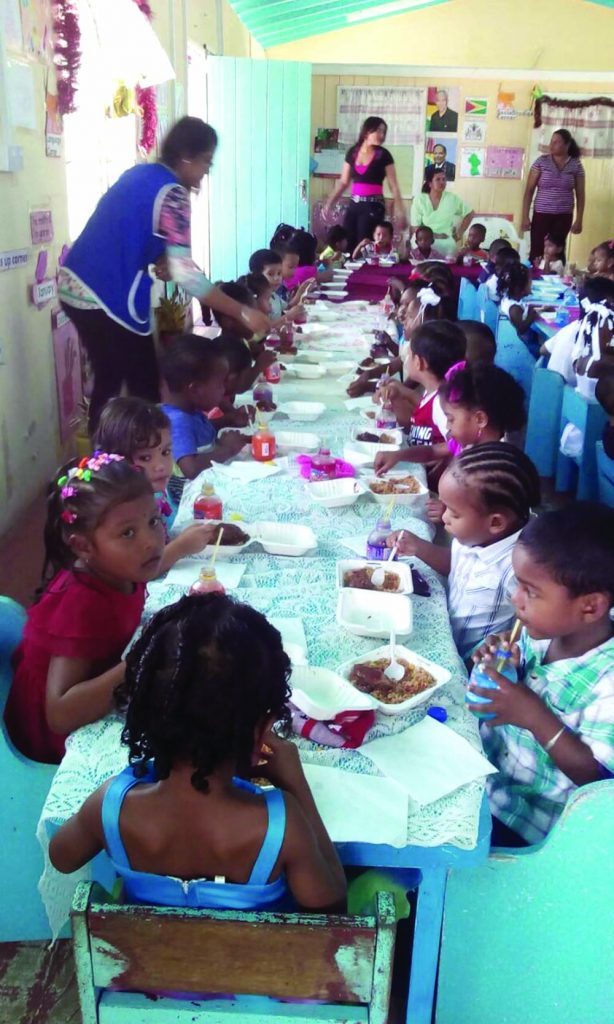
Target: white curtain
(403,108)
(591,123)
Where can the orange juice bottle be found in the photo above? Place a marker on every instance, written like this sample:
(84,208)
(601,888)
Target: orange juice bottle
(263,442)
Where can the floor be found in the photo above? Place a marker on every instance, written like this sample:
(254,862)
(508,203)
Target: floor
(37,984)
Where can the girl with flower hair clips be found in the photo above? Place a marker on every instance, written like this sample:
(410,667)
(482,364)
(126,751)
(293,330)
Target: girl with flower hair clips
(104,541)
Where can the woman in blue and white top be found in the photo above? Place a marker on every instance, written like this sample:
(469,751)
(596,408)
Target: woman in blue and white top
(105,283)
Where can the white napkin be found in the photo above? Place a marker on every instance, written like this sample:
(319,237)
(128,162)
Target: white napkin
(428,760)
(357,544)
(247,472)
(185,572)
(359,808)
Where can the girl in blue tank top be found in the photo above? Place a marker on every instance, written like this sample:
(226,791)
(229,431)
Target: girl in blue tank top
(205,683)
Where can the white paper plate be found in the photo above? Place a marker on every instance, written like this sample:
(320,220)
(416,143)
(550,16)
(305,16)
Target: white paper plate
(305,411)
(370,613)
(296,441)
(322,694)
(284,538)
(335,493)
(442,676)
(399,499)
(402,570)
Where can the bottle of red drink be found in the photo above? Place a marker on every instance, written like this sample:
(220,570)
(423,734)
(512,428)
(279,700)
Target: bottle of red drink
(263,392)
(207,583)
(323,466)
(208,505)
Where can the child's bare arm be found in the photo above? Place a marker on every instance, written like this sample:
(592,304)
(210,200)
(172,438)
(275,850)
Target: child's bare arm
(193,539)
(229,445)
(81,837)
(521,321)
(75,697)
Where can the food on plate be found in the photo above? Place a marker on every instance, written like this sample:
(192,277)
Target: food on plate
(232,535)
(367,436)
(398,485)
(368,677)
(368,363)
(360,579)
(370,414)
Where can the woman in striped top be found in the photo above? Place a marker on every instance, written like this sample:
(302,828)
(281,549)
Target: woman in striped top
(557,178)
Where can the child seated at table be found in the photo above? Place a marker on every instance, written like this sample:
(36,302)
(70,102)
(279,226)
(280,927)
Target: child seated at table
(475,242)
(602,260)
(553,260)
(336,246)
(488,491)
(195,374)
(104,540)
(592,356)
(290,294)
(513,288)
(554,728)
(504,257)
(481,344)
(271,265)
(495,246)
(424,248)
(182,824)
(381,243)
(306,273)
(604,393)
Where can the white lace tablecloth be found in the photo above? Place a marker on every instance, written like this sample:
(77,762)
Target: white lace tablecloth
(292,587)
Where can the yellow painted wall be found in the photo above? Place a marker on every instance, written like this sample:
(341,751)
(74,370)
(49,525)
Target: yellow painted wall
(489,195)
(565,35)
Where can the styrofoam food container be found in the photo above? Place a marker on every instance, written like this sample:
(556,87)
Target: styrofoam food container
(391,432)
(296,440)
(370,415)
(340,366)
(322,694)
(356,458)
(406,585)
(305,411)
(371,613)
(306,371)
(335,493)
(296,653)
(305,356)
(399,499)
(442,676)
(228,550)
(366,451)
(284,538)
(327,315)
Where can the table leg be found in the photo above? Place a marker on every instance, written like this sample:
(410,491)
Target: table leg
(425,954)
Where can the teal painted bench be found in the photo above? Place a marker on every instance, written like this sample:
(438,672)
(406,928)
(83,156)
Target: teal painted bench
(544,420)
(25,785)
(580,473)
(527,937)
(126,954)
(513,355)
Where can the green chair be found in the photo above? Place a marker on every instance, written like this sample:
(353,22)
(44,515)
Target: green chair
(528,937)
(127,955)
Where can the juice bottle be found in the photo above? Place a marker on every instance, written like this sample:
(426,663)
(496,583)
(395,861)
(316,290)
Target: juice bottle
(263,443)
(273,340)
(385,418)
(479,677)
(207,583)
(262,392)
(376,541)
(272,374)
(208,505)
(286,334)
(323,466)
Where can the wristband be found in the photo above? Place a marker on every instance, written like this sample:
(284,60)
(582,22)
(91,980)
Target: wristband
(549,745)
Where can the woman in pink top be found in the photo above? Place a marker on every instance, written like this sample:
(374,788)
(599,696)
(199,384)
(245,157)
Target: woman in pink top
(367,164)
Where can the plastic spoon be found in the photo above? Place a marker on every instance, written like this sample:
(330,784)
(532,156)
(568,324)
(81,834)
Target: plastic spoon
(395,671)
(379,575)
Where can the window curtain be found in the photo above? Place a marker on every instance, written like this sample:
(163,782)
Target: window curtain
(403,109)
(591,122)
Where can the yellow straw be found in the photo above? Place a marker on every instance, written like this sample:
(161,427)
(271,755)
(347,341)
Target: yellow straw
(216,548)
(513,638)
(390,507)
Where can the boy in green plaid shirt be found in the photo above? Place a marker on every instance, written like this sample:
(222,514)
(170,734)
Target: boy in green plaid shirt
(554,729)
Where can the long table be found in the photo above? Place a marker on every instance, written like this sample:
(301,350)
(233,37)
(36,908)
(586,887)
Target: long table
(453,831)
(369,282)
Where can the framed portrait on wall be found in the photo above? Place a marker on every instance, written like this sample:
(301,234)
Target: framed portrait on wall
(441,151)
(442,105)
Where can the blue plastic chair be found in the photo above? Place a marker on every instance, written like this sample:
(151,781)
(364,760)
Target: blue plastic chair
(589,417)
(25,785)
(605,473)
(544,419)
(467,300)
(513,355)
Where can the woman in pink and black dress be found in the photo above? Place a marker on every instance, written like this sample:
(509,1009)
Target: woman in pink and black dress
(367,165)
(557,179)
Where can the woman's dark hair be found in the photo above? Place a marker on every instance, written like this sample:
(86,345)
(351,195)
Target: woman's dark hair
(189,137)
(205,673)
(336,234)
(576,544)
(127,424)
(481,342)
(187,359)
(440,343)
(370,124)
(282,234)
(304,245)
(513,279)
(263,258)
(489,388)
(429,174)
(84,509)
(502,476)
(572,146)
(255,284)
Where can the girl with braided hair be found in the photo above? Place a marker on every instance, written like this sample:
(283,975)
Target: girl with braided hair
(104,540)
(204,685)
(488,493)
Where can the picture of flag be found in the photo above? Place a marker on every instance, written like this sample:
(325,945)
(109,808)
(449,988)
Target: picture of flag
(476,107)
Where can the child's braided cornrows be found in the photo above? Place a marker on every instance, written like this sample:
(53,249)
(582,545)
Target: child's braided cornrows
(502,477)
(206,672)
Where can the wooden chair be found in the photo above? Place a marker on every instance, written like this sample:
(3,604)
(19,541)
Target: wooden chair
(25,785)
(125,954)
(544,419)
(605,473)
(513,355)
(467,300)
(581,472)
(527,937)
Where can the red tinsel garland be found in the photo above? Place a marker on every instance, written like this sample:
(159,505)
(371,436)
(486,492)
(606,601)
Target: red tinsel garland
(67,53)
(146,98)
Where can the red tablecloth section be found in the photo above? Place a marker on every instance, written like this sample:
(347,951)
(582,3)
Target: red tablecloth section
(370,282)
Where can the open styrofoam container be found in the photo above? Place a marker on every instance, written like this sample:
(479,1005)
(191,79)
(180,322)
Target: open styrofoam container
(296,653)
(370,415)
(371,613)
(399,499)
(306,371)
(393,432)
(322,694)
(228,550)
(356,458)
(335,493)
(442,676)
(366,451)
(284,538)
(341,366)
(406,585)
(305,411)
(296,441)
(305,356)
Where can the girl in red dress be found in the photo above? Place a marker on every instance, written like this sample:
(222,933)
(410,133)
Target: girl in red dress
(104,541)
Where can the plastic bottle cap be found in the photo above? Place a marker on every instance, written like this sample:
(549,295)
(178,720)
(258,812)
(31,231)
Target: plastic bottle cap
(439,714)
(207,489)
